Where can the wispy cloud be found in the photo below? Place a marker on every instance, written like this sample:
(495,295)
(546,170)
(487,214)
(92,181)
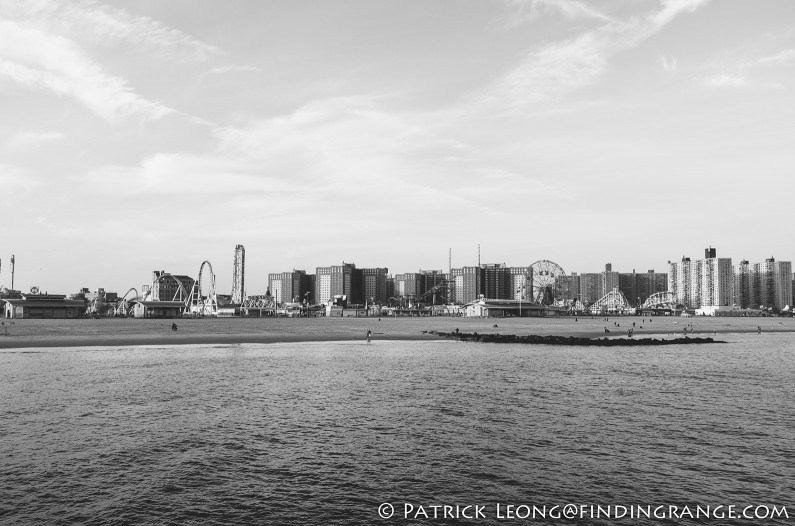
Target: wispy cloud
(13,179)
(783,57)
(92,23)
(669,64)
(232,68)
(528,10)
(557,68)
(722,81)
(334,152)
(50,46)
(43,61)
(24,140)
(737,81)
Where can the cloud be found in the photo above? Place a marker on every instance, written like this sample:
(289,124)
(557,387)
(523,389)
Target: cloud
(733,81)
(43,61)
(333,154)
(670,10)
(92,23)
(527,10)
(232,68)
(24,140)
(782,57)
(557,68)
(722,81)
(14,179)
(669,64)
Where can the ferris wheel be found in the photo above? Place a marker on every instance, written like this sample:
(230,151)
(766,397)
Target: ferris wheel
(546,285)
(203,300)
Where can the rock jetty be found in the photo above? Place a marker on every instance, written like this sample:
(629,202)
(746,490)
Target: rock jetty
(570,340)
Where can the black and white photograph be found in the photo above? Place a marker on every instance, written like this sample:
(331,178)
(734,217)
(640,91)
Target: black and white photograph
(356,262)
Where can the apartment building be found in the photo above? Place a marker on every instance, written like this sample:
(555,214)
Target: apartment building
(705,283)
(289,287)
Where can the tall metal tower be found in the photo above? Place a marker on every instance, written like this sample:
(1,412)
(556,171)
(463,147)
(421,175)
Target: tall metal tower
(239,275)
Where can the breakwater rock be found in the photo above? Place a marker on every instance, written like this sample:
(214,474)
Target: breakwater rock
(570,340)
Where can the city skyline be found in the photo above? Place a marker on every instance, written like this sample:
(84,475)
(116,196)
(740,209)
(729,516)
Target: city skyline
(578,273)
(158,136)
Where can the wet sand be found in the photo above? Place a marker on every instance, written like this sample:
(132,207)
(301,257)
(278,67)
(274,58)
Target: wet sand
(127,332)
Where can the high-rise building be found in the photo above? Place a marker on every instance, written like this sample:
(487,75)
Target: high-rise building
(497,281)
(569,286)
(435,286)
(773,283)
(610,280)
(334,281)
(704,283)
(289,287)
(456,286)
(716,281)
(679,282)
(471,288)
(744,292)
(408,284)
(651,283)
(375,284)
(590,287)
(637,287)
(628,285)
(521,283)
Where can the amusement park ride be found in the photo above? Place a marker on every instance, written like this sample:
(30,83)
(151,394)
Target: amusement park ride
(201,300)
(547,291)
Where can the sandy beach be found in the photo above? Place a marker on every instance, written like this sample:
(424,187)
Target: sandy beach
(114,332)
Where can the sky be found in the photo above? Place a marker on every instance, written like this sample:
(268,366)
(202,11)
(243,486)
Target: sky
(150,135)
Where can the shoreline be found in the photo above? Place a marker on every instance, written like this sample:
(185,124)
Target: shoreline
(10,343)
(23,342)
(131,332)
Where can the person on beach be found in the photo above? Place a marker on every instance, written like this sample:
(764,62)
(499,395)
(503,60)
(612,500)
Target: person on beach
(369,332)
(173,327)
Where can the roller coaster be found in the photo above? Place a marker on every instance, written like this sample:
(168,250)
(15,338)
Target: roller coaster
(614,302)
(662,302)
(201,300)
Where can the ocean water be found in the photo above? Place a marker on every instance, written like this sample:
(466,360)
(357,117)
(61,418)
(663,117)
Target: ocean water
(325,433)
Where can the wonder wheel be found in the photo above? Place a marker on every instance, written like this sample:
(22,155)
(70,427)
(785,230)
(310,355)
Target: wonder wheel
(546,284)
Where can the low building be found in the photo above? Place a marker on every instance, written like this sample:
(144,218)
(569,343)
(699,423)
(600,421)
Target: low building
(500,308)
(230,310)
(43,307)
(158,309)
